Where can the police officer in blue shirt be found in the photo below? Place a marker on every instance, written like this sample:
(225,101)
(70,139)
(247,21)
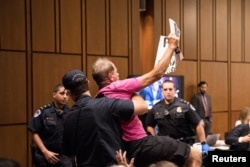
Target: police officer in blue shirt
(176,118)
(47,131)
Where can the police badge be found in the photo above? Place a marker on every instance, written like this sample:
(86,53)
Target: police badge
(179,109)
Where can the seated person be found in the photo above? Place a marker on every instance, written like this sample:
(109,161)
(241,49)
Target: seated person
(244,117)
(153,93)
(239,138)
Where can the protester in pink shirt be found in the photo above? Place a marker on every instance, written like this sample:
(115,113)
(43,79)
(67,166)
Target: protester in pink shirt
(145,149)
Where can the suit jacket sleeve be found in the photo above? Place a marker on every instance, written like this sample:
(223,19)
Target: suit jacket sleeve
(195,102)
(233,137)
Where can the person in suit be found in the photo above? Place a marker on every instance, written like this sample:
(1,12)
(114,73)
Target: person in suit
(239,138)
(202,103)
(153,93)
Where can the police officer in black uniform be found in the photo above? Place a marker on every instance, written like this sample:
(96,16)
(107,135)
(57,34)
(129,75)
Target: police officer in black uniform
(176,118)
(47,131)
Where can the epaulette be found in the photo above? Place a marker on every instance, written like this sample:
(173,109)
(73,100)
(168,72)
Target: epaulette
(44,107)
(183,101)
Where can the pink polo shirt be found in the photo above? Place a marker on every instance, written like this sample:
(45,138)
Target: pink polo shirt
(124,89)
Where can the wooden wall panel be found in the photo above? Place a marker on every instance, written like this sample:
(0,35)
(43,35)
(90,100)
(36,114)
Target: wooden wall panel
(236,30)
(240,86)
(119,27)
(172,9)
(215,73)
(189,31)
(234,118)
(221,30)
(246,31)
(48,70)
(95,27)
(220,123)
(206,30)
(43,25)
(189,70)
(12,31)
(147,50)
(70,26)
(13,88)
(134,66)
(120,63)
(14,143)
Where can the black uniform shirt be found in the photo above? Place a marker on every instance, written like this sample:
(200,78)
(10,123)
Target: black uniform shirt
(176,120)
(92,129)
(47,122)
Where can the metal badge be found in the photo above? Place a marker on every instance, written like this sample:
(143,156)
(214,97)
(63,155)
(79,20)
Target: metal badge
(179,109)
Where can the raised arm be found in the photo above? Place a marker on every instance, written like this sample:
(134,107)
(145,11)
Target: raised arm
(157,72)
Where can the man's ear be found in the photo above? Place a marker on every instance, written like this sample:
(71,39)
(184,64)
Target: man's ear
(54,94)
(110,77)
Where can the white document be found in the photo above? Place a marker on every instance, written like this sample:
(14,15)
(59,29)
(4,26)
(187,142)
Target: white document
(163,45)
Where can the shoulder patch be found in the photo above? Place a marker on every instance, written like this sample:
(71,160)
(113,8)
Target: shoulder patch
(37,113)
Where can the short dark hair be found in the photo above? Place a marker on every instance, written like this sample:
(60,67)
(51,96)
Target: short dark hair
(57,87)
(168,81)
(202,83)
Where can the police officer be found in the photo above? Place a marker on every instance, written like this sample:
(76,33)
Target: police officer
(176,118)
(47,131)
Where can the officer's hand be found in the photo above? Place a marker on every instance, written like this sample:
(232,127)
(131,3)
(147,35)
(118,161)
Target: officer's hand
(205,148)
(51,157)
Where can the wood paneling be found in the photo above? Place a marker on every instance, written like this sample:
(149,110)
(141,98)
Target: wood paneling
(43,25)
(13,88)
(206,30)
(12,17)
(70,26)
(236,30)
(120,63)
(95,27)
(147,53)
(215,73)
(246,36)
(48,70)
(189,70)
(221,30)
(172,10)
(189,31)
(134,40)
(119,27)
(240,86)
(220,123)
(14,143)
(234,117)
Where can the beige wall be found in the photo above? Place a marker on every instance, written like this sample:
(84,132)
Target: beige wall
(41,39)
